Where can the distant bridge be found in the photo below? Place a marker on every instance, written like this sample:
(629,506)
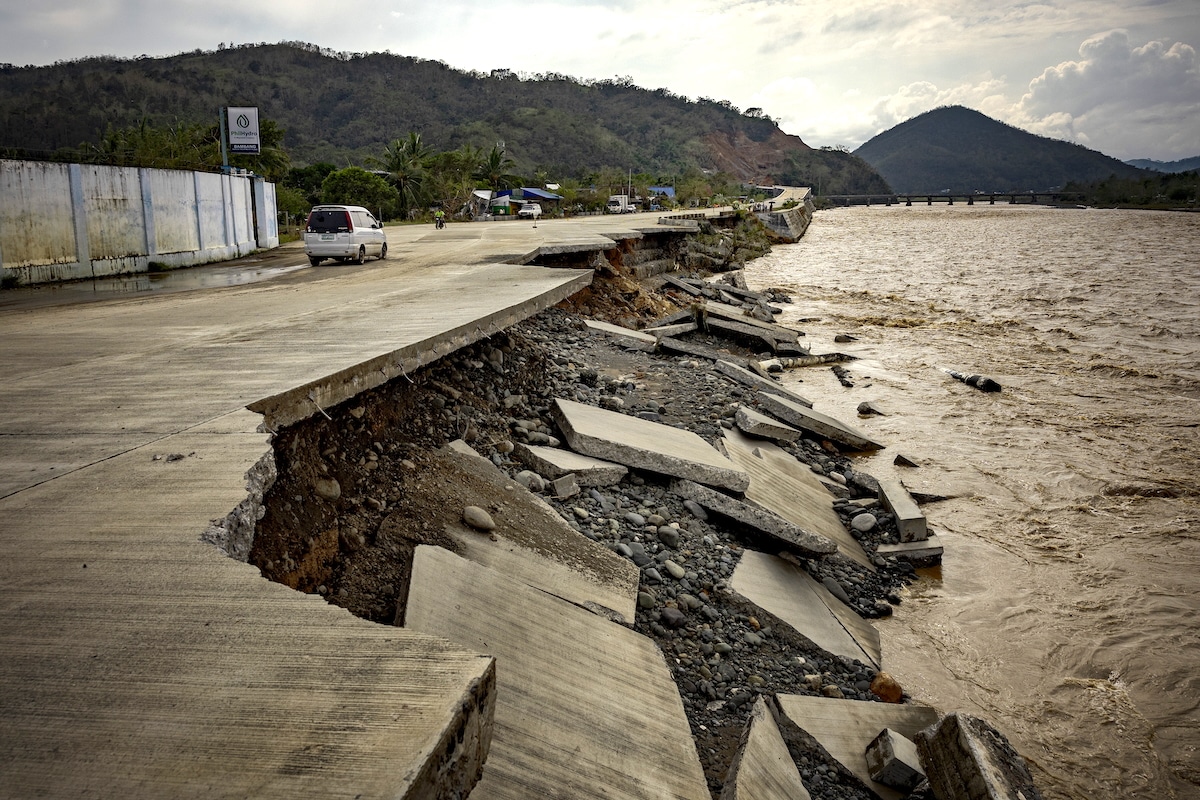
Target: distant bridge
(1048,198)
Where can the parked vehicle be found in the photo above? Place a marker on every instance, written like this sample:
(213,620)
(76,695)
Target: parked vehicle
(530,211)
(619,204)
(344,233)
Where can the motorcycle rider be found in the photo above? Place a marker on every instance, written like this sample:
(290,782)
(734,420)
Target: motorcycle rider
(439,218)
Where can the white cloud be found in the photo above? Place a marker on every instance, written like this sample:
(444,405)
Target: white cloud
(1122,99)
(832,71)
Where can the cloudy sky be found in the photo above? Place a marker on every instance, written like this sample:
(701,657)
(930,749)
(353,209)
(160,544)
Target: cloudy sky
(1119,76)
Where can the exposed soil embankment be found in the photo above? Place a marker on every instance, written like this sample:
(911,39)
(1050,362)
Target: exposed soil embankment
(357,491)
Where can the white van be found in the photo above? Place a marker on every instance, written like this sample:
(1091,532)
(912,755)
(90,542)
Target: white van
(347,233)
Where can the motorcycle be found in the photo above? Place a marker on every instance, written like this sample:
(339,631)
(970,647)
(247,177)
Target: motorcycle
(439,223)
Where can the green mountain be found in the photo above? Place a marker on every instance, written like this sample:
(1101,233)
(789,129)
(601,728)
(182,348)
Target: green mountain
(1182,165)
(343,108)
(962,150)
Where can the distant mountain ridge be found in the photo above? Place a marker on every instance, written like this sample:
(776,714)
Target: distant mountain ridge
(962,150)
(343,108)
(1182,165)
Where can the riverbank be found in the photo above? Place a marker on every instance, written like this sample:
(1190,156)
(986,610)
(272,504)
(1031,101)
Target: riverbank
(725,652)
(1069,527)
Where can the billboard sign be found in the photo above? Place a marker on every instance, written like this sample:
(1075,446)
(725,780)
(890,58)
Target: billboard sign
(243,130)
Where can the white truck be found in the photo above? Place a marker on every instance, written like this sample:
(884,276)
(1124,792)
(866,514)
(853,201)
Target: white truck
(619,204)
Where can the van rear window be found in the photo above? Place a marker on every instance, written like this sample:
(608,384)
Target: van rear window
(331,221)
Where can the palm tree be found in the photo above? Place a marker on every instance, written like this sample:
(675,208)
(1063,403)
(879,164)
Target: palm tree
(495,170)
(405,162)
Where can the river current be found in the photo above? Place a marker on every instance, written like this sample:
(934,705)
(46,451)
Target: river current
(1066,609)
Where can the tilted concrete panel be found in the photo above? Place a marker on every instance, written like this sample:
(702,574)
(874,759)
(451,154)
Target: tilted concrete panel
(585,708)
(642,444)
(782,484)
(797,599)
(845,728)
(763,768)
(815,422)
(531,542)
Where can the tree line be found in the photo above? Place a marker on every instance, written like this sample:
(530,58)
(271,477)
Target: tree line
(409,179)
(1158,190)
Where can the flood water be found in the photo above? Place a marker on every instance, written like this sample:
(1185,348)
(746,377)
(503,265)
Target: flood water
(1066,609)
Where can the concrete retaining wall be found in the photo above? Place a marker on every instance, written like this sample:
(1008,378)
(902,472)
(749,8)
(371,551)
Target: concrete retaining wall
(63,222)
(790,223)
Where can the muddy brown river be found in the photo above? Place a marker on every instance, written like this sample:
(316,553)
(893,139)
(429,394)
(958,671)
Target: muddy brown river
(1065,612)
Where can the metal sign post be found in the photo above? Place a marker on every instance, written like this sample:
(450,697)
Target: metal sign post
(224,141)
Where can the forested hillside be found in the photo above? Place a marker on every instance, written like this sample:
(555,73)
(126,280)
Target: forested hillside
(962,150)
(345,108)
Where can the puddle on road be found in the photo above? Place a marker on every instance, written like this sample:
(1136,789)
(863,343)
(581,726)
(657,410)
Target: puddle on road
(179,280)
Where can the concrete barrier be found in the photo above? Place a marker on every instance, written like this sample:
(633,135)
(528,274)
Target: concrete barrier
(62,222)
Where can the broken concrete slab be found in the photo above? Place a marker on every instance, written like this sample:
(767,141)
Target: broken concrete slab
(845,728)
(792,595)
(780,483)
(762,768)
(624,336)
(753,423)
(737,314)
(781,363)
(642,444)
(669,344)
(923,553)
(744,295)
(967,759)
(780,531)
(756,337)
(565,487)
(674,226)
(746,377)
(531,542)
(585,708)
(893,760)
(555,462)
(909,520)
(678,329)
(683,315)
(727,298)
(683,285)
(815,422)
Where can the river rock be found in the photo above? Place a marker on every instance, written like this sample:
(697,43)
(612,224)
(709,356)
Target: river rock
(530,480)
(864,523)
(673,617)
(327,488)
(669,537)
(836,590)
(886,688)
(478,519)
